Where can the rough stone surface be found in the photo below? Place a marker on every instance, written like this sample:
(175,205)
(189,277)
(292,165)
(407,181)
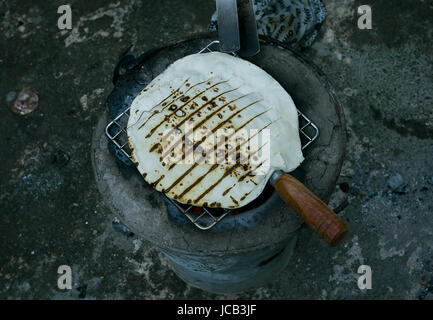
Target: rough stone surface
(50,209)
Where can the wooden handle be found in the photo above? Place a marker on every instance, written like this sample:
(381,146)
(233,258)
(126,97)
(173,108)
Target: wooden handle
(316,214)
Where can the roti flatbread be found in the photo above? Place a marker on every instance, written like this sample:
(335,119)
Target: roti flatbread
(210,130)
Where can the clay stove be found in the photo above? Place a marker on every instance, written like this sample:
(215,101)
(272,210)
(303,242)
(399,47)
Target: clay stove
(248,248)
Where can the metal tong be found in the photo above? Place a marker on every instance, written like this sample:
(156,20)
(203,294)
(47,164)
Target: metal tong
(237,27)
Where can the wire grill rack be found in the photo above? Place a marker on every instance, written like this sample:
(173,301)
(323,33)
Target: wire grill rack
(208,217)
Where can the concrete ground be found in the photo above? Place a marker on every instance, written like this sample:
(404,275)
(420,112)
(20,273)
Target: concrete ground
(50,208)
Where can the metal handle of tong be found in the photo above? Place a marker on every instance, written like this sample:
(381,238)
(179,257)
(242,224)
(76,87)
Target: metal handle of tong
(237,27)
